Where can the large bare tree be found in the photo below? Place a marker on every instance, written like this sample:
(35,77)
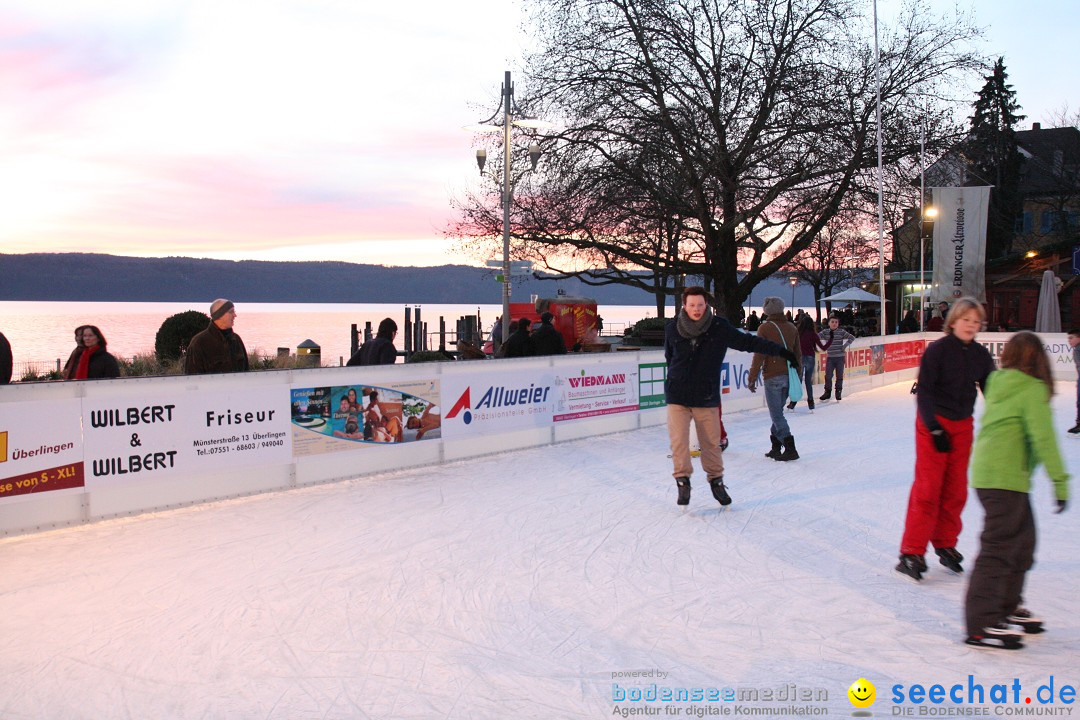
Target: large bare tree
(739,126)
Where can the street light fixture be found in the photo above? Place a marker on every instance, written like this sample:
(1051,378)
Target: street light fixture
(927,212)
(794,280)
(508,109)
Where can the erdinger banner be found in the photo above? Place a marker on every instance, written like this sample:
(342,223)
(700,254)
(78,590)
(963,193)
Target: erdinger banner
(960,242)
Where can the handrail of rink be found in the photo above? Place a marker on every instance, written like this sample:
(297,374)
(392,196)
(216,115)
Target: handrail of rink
(77,452)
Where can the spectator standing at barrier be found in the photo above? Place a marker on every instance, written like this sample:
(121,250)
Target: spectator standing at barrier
(520,344)
(778,329)
(546,339)
(496,336)
(837,339)
(1074,343)
(380,349)
(695,343)
(92,361)
(69,366)
(1016,435)
(951,371)
(910,323)
(217,349)
(6,362)
(936,322)
(809,344)
(753,321)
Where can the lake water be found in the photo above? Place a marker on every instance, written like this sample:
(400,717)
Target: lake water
(41,331)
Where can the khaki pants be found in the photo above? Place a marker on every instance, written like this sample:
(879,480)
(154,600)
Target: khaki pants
(707,422)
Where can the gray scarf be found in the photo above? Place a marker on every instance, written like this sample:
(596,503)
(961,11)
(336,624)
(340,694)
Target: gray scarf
(690,329)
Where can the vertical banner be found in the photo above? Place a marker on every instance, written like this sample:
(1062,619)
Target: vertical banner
(960,242)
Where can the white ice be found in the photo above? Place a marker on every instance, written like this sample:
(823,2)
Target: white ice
(515,585)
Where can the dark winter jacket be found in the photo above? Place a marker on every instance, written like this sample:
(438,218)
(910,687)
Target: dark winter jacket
(519,344)
(779,330)
(377,351)
(547,340)
(810,343)
(693,376)
(215,351)
(949,372)
(101,365)
(5,360)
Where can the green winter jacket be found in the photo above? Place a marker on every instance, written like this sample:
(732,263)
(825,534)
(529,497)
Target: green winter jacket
(1016,434)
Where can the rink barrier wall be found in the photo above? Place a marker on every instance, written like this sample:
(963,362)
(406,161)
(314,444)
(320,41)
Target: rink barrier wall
(77,452)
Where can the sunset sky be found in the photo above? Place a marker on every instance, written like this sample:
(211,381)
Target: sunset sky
(299,129)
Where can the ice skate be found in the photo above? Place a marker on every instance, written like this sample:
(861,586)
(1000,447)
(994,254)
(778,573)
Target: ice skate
(951,558)
(912,565)
(684,491)
(999,637)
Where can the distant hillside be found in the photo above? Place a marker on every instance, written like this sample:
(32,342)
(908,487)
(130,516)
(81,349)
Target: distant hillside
(110,278)
(89,277)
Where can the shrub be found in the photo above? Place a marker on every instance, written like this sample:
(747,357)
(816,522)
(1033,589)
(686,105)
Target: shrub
(174,335)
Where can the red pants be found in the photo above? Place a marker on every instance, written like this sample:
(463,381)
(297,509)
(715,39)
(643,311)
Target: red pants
(940,490)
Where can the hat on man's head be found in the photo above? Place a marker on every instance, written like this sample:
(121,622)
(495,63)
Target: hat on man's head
(773,306)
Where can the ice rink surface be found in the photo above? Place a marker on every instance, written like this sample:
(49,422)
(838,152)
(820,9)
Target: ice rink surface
(527,585)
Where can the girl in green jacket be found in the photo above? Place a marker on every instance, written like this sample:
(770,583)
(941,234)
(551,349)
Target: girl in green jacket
(1015,436)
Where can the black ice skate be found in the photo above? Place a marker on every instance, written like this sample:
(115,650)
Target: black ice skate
(719,491)
(999,637)
(951,558)
(912,565)
(1023,617)
(684,491)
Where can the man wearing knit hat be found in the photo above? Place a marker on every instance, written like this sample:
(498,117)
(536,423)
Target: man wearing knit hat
(217,349)
(695,343)
(778,329)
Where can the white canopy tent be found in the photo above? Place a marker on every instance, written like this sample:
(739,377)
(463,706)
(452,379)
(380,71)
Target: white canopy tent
(852,295)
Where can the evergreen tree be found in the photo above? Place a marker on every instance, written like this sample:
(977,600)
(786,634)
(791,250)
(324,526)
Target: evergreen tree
(994,158)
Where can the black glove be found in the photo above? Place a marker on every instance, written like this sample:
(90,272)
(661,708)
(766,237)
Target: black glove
(1061,506)
(790,357)
(941,440)
(751,385)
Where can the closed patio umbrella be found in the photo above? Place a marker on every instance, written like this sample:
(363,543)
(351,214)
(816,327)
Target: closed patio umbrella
(1048,313)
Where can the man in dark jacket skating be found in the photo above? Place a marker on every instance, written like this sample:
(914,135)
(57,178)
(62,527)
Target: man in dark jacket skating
(695,343)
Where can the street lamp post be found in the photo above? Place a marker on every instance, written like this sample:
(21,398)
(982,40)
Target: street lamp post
(794,280)
(508,108)
(924,212)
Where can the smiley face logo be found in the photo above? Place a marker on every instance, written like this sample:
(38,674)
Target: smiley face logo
(862,693)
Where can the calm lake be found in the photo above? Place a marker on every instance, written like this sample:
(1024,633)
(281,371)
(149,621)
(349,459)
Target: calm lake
(41,331)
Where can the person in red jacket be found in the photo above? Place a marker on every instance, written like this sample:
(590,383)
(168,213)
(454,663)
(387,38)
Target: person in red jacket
(951,372)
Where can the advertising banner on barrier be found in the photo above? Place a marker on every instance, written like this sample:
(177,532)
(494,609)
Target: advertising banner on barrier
(41,448)
(184,431)
(900,355)
(651,378)
(591,392)
(490,402)
(350,417)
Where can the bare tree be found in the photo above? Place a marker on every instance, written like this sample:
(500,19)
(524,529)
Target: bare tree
(742,123)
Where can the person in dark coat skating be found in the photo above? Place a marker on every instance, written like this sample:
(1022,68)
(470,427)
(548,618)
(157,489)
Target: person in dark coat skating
(695,343)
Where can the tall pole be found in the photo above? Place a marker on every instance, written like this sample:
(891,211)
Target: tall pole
(508,106)
(881,177)
(922,224)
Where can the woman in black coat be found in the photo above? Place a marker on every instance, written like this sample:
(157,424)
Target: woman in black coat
(91,360)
